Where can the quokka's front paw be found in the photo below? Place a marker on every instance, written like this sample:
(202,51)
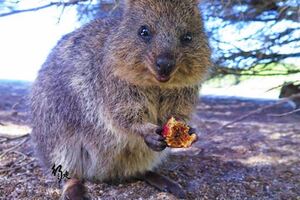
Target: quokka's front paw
(155,140)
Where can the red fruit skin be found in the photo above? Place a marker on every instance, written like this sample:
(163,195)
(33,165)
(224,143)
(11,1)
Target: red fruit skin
(165,131)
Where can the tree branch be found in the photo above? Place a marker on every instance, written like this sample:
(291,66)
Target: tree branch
(42,7)
(241,118)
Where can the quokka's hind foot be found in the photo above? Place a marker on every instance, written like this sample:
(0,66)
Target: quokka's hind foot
(74,189)
(165,184)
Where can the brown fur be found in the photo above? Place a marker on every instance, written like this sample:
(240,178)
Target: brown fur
(289,89)
(74,190)
(96,96)
(169,23)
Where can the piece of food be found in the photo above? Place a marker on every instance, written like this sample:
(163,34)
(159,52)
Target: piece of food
(177,135)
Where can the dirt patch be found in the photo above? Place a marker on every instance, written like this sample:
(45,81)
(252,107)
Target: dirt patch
(257,158)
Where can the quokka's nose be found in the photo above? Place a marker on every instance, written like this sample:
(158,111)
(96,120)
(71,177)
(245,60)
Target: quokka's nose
(165,64)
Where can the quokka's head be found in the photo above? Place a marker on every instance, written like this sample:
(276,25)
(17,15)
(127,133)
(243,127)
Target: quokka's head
(160,43)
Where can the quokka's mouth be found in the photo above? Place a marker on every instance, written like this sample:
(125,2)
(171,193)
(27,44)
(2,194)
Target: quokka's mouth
(163,78)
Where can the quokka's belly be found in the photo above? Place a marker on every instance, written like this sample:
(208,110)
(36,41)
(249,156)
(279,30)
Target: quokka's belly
(129,157)
(113,157)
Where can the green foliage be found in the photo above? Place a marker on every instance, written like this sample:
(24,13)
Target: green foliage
(272,69)
(279,71)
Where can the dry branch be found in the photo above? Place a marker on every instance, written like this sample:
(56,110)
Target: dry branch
(284,100)
(284,114)
(8,138)
(16,167)
(51,4)
(13,148)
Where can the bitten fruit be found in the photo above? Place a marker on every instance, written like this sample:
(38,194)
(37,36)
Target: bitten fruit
(177,135)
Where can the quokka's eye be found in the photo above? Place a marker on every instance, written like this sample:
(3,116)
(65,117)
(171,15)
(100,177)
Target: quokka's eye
(145,33)
(186,38)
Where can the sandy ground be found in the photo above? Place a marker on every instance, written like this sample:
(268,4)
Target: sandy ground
(257,158)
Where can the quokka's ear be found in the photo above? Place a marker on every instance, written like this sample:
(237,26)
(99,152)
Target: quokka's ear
(122,3)
(128,2)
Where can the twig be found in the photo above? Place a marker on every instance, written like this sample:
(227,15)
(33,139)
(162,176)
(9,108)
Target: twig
(17,167)
(285,114)
(13,148)
(3,140)
(17,164)
(42,7)
(116,2)
(274,88)
(281,85)
(30,9)
(61,13)
(8,138)
(255,112)
(24,156)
